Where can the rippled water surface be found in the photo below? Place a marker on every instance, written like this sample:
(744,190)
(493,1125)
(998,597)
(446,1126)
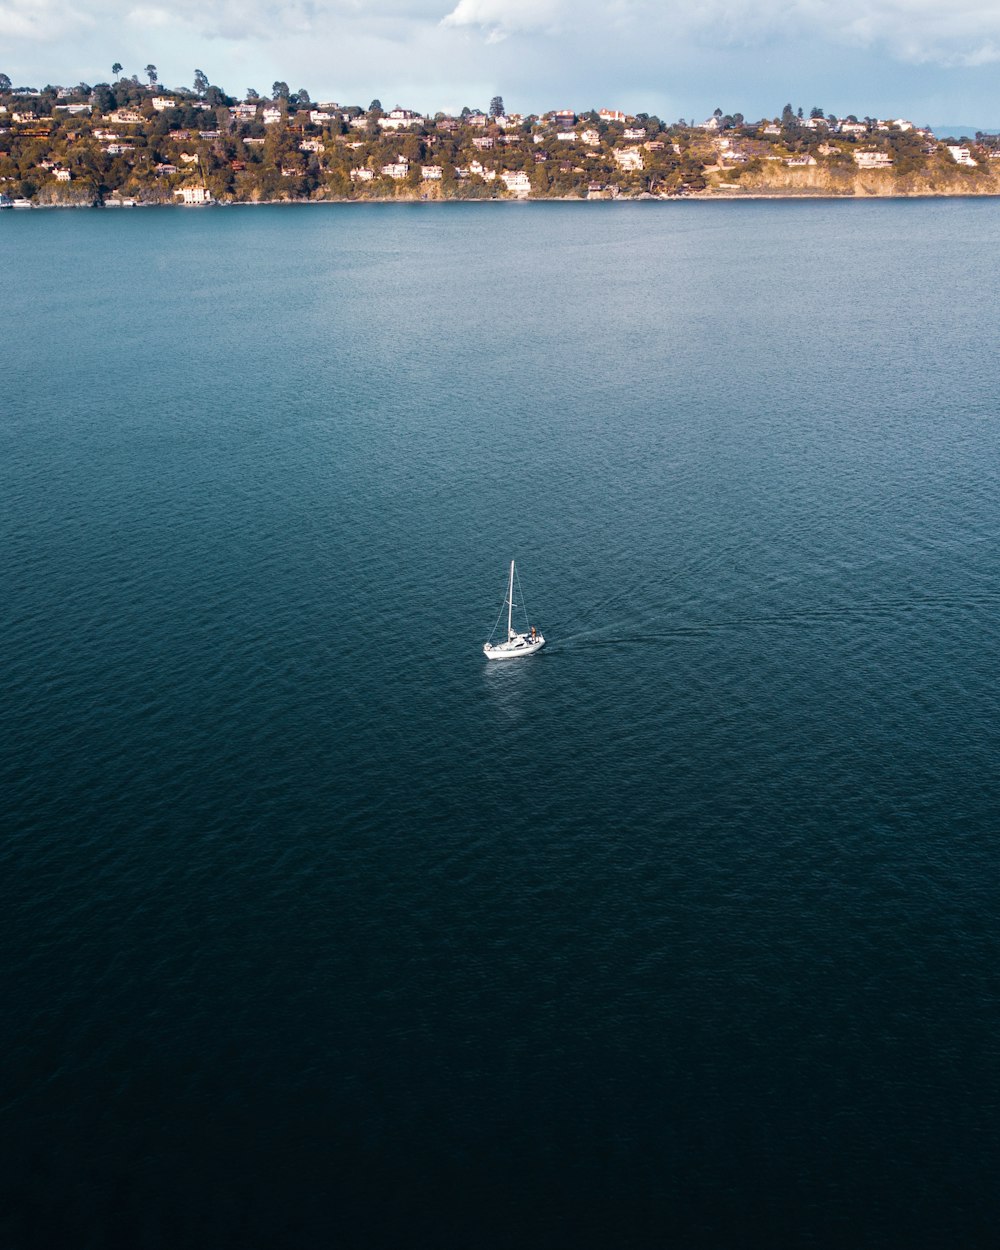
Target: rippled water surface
(320,930)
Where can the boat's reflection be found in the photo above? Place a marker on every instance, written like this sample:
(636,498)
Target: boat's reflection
(510,685)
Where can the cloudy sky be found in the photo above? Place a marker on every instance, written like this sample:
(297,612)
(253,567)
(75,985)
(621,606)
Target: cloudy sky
(923,59)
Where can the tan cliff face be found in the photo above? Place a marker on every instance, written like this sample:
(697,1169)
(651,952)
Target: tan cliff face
(777,179)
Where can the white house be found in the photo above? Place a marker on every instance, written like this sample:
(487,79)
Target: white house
(362,175)
(612,115)
(430,173)
(794,161)
(566,136)
(960,155)
(872,160)
(125,117)
(245,112)
(310,145)
(591,138)
(853,128)
(400,119)
(517,181)
(195,195)
(271,116)
(628,158)
(62,175)
(398,169)
(635,132)
(163,102)
(487,175)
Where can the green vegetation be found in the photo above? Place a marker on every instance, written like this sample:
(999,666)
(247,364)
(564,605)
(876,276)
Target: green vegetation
(127,139)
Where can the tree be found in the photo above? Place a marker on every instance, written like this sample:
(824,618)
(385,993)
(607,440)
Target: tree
(279,91)
(303,97)
(496,106)
(376,105)
(816,113)
(116,69)
(200,81)
(252,94)
(150,72)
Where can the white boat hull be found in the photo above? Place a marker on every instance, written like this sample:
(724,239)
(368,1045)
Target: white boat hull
(517,646)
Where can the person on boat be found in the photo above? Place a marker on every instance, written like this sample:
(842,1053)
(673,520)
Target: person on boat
(532,633)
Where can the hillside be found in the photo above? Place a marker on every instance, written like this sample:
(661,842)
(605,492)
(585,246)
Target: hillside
(130,143)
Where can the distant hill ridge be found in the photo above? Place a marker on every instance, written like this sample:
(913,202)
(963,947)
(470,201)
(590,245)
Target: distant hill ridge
(128,142)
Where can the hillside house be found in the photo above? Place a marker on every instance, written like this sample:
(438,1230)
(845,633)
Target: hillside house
(400,119)
(628,159)
(516,181)
(194,195)
(872,160)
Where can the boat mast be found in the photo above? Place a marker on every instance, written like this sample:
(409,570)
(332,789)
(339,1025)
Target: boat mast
(510,598)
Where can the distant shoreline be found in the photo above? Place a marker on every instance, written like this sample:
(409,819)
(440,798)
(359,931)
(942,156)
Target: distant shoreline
(696,198)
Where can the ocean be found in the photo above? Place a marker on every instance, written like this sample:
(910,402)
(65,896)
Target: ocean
(317,928)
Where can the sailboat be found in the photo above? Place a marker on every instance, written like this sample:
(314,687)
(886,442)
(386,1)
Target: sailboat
(517,644)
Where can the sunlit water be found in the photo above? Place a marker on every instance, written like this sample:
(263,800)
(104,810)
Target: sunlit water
(318,929)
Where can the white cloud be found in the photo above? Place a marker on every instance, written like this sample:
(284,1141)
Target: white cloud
(500,18)
(39,20)
(965,32)
(674,57)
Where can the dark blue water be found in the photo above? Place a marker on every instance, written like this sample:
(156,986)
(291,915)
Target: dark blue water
(320,930)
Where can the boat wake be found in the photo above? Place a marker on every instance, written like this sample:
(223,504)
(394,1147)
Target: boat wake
(806,617)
